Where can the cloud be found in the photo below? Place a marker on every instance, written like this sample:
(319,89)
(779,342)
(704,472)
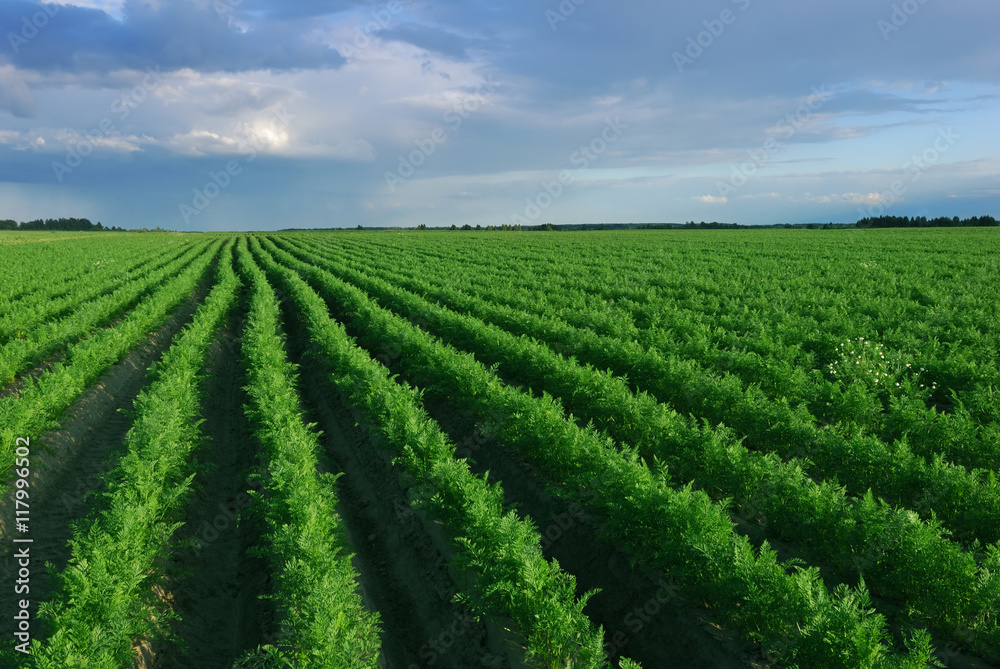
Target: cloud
(225,75)
(15,96)
(112,7)
(849,198)
(223,95)
(439,41)
(170,35)
(751,196)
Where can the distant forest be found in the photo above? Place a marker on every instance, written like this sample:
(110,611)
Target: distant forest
(924,222)
(84,224)
(57,224)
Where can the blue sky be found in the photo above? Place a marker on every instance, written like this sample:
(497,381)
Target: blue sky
(259,114)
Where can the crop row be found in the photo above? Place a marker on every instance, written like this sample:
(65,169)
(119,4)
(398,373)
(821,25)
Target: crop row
(19,354)
(728,303)
(880,390)
(513,580)
(103,601)
(35,407)
(763,302)
(680,531)
(22,316)
(48,269)
(899,556)
(968,503)
(917,285)
(325,623)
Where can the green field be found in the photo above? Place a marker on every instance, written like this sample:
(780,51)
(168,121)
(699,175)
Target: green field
(746,448)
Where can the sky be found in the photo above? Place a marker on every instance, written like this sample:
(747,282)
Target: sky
(268,114)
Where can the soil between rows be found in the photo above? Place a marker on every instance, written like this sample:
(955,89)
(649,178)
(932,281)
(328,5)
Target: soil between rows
(211,582)
(657,631)
(644,615)
(402,557)
(67,464)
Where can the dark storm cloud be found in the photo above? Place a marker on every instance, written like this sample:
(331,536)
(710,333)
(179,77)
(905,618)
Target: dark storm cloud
(176,34)
(438,41)
(764,48)
(701,87)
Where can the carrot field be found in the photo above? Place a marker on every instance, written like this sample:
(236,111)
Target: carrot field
(414,449)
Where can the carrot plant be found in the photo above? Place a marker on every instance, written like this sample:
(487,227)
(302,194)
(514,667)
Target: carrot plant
(19,317)
(968,503)
(900,556)
(35,343)
(679,531)
(784,355)
(103,600)
(513,579)
(325,622)
(41,400)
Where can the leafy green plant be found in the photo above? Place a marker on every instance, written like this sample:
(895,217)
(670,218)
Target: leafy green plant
(513,580)
(326,624)
(103,600)
(41,400)
(693,538)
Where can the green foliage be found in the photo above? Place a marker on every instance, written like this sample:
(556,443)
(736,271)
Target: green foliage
(901,557)
(667,385)
(103,600)
(678,531)
(846,449)
(266,657)
(325,622)
(41,400)
(91,309)
(74,279)
(513,580)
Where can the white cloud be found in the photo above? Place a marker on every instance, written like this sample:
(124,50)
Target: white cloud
(15,96)
(849,198)
(753,196)
(224,95)
(114,8)
(711,199)
(65,138)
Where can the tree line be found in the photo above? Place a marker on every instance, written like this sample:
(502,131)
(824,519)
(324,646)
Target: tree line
(924,222)
(63,224)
